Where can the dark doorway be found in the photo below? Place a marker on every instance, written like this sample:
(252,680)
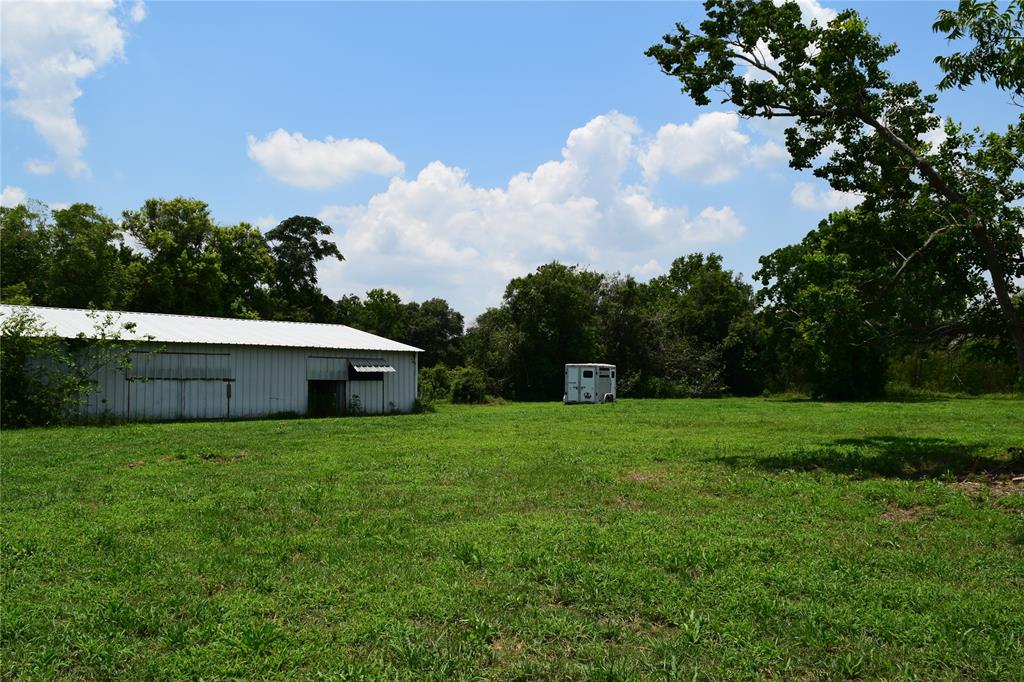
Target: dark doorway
(326,398)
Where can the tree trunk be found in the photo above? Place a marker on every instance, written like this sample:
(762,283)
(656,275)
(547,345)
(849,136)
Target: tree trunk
(1000,282)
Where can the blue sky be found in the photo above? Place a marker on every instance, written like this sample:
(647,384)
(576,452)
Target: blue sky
(451,146)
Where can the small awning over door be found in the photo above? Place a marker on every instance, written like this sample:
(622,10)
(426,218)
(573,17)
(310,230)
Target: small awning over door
(370,366)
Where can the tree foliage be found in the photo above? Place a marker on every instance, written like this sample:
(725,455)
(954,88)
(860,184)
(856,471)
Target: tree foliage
(859,129)
(997,53)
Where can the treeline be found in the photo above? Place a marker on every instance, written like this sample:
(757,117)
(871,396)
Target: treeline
(829,319)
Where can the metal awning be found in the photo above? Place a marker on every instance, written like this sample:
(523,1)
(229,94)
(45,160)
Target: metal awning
(371,366)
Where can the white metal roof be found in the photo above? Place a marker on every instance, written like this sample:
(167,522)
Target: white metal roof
(70,322)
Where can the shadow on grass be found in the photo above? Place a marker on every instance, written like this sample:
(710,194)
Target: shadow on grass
(893,457)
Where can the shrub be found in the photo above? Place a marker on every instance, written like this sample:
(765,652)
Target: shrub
(435,383)
(469,385)
(421,406)
(44,379)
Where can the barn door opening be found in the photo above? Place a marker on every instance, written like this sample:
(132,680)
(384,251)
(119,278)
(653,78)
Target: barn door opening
(326,398)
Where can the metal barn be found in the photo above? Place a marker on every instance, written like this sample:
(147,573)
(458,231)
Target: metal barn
(218,368)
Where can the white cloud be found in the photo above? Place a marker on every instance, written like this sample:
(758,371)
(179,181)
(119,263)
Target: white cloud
(768,154)
(12,196)
(266,222)
(48,47)
(59,206)
(316,164)
(812,197)
(138,11)
(37,167)
(709,150)
(440,232)
(647,270)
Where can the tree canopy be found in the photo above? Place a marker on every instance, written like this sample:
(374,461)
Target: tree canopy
(862,131)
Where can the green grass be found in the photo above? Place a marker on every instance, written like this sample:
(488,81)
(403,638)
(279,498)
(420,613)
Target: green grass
(646,539)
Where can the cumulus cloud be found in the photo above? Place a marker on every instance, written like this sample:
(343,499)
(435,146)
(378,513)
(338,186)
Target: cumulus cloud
(48,47)
(316,164)
(266,222)
(647,270)
(12,196)
(439,231)
(768,154)
(138,11)
(710,150)
(813,197)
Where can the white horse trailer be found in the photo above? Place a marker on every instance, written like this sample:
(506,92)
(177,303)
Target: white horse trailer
(589,383)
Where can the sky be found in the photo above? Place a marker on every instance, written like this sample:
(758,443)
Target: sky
(451,146)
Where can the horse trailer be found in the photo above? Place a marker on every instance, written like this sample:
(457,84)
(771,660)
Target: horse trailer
(589,383)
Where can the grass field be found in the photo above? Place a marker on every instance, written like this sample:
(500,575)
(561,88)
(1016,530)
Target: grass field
(646,539)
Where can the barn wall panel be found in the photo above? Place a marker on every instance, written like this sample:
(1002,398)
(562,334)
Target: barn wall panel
(266,380)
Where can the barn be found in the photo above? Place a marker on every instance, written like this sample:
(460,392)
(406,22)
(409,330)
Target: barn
(188,367)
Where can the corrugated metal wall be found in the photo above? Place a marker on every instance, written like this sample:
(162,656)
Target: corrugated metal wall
(190,381)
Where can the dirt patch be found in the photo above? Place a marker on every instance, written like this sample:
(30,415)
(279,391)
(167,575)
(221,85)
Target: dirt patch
(996,487)
(208,456)
(507,645)
(135,464)
(1004,478)
(898,514)
(658,476)
(625,502)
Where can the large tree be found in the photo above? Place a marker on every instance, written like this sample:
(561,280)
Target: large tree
(298,246)
(834,311)
(25,247)
(555,312)
(436,328)
(830,84)
(181,267)
(89,264)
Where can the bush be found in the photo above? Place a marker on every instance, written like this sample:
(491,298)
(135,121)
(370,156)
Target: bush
(435,383)
(421,406)
(469,385)
(45,379)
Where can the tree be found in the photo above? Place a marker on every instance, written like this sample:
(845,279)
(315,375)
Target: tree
(436,328)
(89,264)
(248,270)
(555,313)
(493,343)
(180,270)
(702,302)
(297,249)
(349,310)
(998,52)
(628,322)
(25,246)
(831,84)
(383,314)
(833,308)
